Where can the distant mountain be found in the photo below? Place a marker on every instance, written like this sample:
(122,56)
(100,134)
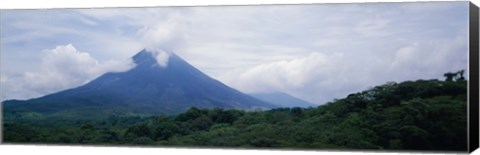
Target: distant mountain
(149,88)
(283,100)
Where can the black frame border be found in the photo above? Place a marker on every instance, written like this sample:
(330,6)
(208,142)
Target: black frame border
(473,99)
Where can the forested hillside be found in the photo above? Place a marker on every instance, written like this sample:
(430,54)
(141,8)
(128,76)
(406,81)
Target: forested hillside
(411,115)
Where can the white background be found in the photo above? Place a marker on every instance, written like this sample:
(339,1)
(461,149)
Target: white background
(50,150)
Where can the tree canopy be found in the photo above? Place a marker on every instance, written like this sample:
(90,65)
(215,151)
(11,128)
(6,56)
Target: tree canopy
(411,115)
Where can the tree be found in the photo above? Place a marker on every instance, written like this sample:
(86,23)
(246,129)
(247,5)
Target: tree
(221,116)
(460,75)
(200,123)
(457,76)
(166,130)
(143,141)
(108,136)
(191,114)
(415,138)
(296,111)
(139,131)
(449,76)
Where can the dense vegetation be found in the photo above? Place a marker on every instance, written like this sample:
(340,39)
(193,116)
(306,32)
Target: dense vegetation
(412,115)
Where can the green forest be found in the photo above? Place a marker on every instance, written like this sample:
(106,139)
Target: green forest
(411,115)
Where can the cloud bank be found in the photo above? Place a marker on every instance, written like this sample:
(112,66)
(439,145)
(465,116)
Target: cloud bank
(314,52)
(166,35)
(61,68)
(160,56)
(323,77)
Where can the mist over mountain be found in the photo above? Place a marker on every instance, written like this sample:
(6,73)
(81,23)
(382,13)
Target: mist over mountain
(283,100)
(161,83)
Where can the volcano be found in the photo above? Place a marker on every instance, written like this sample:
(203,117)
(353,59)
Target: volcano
(150,88)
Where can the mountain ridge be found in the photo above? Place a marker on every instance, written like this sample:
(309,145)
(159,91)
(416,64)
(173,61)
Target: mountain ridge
(283,99)
(147,88)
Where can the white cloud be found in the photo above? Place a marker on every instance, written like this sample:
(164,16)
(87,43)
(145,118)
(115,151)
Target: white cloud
(374,27)
(257,48)
(320,77)
(287,75)
(61,68)
(166,34)
(160,56)
(423,59)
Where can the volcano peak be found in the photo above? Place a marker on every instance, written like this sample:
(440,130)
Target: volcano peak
(161,83)
(152,57)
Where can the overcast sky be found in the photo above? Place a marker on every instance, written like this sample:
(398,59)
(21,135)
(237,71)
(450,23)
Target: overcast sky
(314,52)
